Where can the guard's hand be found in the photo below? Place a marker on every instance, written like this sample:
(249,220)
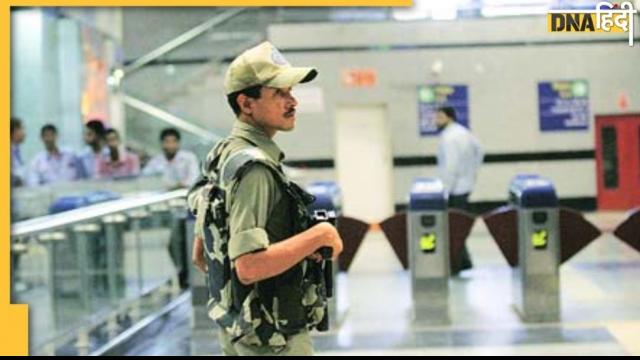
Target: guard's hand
(337,246)
(331,238)
(315,257)
(197,254)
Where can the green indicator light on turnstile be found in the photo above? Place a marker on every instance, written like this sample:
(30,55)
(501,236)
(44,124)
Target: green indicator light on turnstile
(539,239)
(428,243)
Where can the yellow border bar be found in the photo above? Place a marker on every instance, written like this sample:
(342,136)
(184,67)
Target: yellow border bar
(156,3)
(14,319)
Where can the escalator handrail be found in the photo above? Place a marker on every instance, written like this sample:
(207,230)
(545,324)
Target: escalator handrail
(84,214)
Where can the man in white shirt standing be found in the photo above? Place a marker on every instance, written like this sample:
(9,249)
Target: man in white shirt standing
(459,158)
(179,168)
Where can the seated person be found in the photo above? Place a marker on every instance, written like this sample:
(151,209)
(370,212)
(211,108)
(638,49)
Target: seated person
(95,148)
(179,168)
(117,162)
(53,165)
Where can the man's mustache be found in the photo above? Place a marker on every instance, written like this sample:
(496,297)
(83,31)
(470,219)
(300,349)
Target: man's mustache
(290,112)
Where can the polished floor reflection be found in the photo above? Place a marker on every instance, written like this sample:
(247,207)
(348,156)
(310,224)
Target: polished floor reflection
(600,289)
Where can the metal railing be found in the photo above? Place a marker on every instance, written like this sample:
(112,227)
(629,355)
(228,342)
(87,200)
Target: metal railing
(90,273)
(33,202)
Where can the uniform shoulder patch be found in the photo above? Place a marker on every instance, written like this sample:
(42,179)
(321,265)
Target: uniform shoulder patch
(231,167)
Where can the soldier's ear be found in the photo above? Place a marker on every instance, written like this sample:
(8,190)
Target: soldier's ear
(245,103)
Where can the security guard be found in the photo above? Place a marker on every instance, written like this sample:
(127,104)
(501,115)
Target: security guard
(253,235)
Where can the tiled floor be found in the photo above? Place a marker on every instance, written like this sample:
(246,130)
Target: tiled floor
(600,297)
